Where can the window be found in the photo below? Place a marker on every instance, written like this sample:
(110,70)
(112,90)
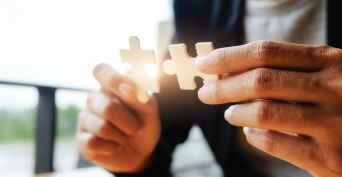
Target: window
(18,107)
(69,104)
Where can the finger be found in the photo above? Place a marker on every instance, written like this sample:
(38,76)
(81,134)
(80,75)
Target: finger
(113,82)
(91,144)
(280,116)
(299,151)
(264,83)
(112,110)
(270,54)
(103,129)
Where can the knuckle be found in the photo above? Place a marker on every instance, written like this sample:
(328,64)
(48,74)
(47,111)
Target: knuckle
(259,80)
(132,129)
(91,145)
(333,54)
(112,108)
(105,129)
(262,113)
(269,143)
(322,52)
(219,56)
(327,56)
(218,93)
(263,51)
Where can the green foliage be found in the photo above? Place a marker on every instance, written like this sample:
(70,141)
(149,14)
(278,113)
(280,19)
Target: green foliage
(17,125)
(20,125)
(66,121)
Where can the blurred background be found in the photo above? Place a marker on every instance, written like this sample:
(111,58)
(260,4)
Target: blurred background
(47,52)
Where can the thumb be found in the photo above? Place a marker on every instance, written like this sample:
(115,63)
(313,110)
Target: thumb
(114,83)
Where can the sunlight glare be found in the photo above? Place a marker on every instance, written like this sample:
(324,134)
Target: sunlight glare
(151,70)
(124,67)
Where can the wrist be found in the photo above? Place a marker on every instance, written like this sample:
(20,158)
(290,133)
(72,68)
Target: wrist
(146,163)
(157,164)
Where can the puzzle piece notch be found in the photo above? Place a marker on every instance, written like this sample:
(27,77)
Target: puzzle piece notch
(138,59)
(184,66)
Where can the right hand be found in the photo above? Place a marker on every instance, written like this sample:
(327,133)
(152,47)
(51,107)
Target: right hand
(116,131)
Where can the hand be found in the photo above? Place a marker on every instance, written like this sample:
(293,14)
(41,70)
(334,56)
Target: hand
(302,88)
(116,131)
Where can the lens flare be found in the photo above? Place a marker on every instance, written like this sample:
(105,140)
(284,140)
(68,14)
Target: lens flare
(151,70)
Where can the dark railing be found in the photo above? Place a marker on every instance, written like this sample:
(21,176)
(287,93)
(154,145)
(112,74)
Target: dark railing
(45,125)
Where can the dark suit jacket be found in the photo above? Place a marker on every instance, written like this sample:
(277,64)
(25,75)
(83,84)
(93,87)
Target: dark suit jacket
(221,22)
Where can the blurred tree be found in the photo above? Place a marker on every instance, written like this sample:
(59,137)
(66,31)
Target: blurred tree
(20,125)
(15,125)
(66,121)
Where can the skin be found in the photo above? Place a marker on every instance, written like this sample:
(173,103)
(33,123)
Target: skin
(301,88)
(116,131)
(302,94)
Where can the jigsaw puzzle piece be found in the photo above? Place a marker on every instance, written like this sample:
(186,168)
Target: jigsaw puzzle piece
(168,67)
(138,59)
(202,49)
(184,66)
(142,95)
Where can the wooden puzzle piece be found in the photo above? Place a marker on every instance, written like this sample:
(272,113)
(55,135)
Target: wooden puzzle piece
(138,59)
(184,66)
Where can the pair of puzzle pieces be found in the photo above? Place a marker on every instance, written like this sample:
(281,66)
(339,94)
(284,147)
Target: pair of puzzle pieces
(181,64)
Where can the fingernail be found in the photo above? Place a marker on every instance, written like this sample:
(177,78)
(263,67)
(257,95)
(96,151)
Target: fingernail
(246,130)
(204,94)
(125,89)
(229,112)
(203,63)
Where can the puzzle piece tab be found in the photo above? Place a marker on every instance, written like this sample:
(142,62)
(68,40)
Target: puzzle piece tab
(184,66)
(138,59)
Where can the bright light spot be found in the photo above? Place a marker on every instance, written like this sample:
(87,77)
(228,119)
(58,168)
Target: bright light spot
(150,93)
(124,67)
(151,70)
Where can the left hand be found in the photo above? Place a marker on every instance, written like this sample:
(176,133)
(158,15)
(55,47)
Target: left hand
(302,90)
